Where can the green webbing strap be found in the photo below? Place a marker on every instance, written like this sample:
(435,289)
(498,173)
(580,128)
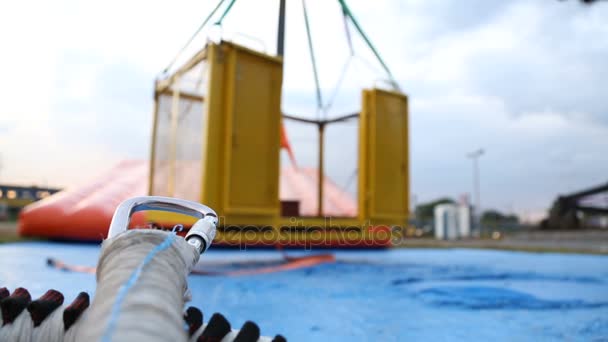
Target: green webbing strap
(369,43)
(312,57)
(193,36)
(219,22)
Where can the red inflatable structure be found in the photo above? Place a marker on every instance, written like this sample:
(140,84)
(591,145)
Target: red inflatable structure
(84,213)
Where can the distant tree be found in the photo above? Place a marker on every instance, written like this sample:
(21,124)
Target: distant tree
(426,211)
(588,2)
(494,218)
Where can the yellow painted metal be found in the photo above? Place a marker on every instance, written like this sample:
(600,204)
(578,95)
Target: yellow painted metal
(320,171)
(354,237)
(153,144)
(242,159)
(173,149)
(320,222)
(301,231)
(253,135)
(212,174)
(163,217)
(310,231)
(384,158)
(239,151)
(162,143)
(363,163)
(240,134)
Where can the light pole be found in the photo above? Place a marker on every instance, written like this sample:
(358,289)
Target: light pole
(477,208)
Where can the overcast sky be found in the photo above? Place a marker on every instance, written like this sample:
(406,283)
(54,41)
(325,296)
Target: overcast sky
(523,79)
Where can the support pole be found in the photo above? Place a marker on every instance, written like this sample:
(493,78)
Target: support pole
(476,184)
(321,173)
(281,30)
(474,156)
(153,147)
(173,142)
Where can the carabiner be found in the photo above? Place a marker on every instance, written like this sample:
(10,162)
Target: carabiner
(200,235)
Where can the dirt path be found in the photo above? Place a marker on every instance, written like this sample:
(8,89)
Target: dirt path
(8,231)
(584,241)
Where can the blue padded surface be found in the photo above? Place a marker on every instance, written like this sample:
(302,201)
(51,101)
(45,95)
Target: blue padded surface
(413,294)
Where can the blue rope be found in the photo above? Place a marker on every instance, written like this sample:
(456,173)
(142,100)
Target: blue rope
(124,289)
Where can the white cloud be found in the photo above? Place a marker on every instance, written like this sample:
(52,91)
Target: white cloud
(524,79)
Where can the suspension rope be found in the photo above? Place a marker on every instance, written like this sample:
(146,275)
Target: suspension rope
(347,10)
(219,22)
(313,60)
(194,36)
(288,263)
(321,122)
(334,94)
(350,180)
(369,65)
(347,31)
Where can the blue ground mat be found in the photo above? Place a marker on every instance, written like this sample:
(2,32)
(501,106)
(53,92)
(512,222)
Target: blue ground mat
(401,294)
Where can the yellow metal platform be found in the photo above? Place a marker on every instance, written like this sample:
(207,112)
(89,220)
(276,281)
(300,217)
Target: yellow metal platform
(216,140)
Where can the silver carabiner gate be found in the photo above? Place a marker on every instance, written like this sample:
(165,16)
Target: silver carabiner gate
(200,235)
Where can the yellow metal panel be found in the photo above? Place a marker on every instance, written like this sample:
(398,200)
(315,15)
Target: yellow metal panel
(252,134)
(212,159)
(310,237)
(241,135)
(363,179)
(153,145)
(331,222)
(384,140)
(173,135)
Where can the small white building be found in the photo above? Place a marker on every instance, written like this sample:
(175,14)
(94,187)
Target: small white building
(452,221)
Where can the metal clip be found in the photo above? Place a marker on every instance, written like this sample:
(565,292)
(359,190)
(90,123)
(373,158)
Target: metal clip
(200,235)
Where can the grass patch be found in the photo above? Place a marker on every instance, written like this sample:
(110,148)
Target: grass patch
(481,244)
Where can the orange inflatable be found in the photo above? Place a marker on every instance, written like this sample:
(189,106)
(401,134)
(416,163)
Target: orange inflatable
(85,213)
